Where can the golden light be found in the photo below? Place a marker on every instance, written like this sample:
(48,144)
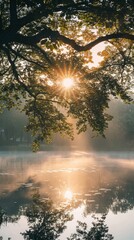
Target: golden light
(44,79)
(68,195)
(43,76)
(50,83)
(68,82)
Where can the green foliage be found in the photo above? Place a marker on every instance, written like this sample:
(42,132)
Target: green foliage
(42,42)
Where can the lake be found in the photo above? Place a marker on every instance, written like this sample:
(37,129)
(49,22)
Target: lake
(86,184)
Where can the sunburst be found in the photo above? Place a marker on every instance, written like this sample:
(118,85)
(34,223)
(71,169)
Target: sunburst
(68,82)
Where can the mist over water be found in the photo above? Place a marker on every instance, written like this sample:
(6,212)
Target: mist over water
(92,175)
(118,137)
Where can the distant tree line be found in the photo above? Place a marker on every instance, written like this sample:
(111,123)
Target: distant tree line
(120,132)
(12,128)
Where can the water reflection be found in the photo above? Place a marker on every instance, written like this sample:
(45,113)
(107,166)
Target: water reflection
(68,195)
(101,182)
(47,221)
(98,231)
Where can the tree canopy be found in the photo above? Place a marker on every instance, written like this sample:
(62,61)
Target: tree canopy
(44,42)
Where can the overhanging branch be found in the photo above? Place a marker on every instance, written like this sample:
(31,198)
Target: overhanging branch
(15,73)
(13,13)
(56,36)
(18,54)
(45,9)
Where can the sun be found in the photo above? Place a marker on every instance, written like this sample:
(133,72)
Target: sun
(68,82)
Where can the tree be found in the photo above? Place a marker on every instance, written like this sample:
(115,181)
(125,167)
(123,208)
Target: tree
(12,127)
(44,41)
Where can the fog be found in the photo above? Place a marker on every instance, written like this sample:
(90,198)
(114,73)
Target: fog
(118,136)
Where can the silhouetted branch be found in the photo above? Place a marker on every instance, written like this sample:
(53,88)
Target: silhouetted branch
(13,12)
(15,73)
(56,36)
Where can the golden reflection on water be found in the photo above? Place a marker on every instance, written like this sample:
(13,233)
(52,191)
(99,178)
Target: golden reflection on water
(68,195)
(78,175)
(98,183)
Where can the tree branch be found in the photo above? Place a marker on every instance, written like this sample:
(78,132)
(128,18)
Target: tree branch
(15,73)
(49,61)
(56,36)
(44,10)
(13,12)
(18,54)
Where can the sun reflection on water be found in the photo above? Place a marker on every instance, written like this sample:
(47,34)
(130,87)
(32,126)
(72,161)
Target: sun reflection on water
(68,195)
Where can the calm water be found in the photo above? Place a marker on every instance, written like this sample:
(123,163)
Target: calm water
(90,183)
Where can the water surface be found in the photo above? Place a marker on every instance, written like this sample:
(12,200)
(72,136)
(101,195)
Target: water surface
(92,183)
